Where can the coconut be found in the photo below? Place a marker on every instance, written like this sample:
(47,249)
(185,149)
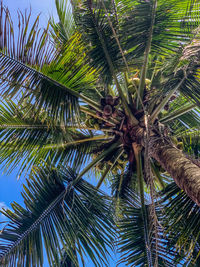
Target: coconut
(147,82)
(131,89)
(166,107)
(172,98)
(134,80)
(115,114)
(107,110)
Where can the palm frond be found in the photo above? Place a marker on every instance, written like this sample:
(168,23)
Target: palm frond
(132,245)
(177,107)
(30,45)
(65,260)
(168,30)
(78,218)
(71,69)
(184,67)
(186,122)
(182,113)
(54,84)
(30,141)
(124,184)
(97,34)
(190,143)
(65,28)
(181,222)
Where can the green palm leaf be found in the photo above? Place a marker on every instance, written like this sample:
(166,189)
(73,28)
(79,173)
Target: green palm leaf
(102,47)
(191,143)
(182,71)
(65,28)
(65,260)
(181,222)
(182,113)
(28,141)
(21,64)
(173,21)
(53,86)
(132,244)
(124,184)
(59,215)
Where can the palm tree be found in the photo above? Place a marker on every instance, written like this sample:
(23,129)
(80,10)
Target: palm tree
(111,90)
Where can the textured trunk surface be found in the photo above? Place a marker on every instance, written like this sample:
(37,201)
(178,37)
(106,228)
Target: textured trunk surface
(184,172)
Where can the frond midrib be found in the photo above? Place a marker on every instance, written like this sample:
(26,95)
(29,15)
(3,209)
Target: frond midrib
(38,221)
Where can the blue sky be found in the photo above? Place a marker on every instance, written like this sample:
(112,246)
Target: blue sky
(10,186)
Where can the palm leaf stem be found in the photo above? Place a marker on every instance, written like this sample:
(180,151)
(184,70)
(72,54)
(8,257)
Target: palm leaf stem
(164,101)
(95,161)
(46,127)
(24,126)
(94,138)
(153,73)
(137,152)
(121,94)
(177,113)
(125,103)
(90,102)
(146,55)
(45,77)
(126,87)
(93,114)
(109,168)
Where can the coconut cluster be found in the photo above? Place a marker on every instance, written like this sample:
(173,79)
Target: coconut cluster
(110,109)
(112,116)
(134,82)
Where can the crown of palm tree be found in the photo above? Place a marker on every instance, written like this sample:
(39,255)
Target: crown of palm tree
(112,89)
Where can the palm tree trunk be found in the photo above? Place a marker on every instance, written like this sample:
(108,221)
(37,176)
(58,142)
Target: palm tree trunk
(184,172)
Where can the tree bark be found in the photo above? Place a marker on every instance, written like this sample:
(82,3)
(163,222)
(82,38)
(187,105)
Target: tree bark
(184,172)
